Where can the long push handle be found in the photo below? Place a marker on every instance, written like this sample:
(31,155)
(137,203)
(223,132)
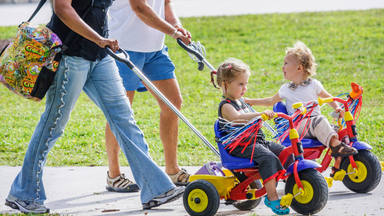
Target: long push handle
(128,62)
(198,55)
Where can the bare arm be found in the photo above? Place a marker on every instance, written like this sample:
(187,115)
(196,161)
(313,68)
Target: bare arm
(67,14)
(269,101)
(172,18)
(170,15)
(149,17)
(231,114)
(325,94)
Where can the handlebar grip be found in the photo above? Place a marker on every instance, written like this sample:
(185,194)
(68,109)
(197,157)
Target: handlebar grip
(324,100)
(188,49)
(124,59)
(264,117)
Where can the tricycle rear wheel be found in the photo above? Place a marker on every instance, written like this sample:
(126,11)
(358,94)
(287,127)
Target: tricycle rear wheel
(201,198)
(246,205)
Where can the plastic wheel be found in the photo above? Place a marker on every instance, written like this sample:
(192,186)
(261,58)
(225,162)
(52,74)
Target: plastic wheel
(246,205)
(201,198)
(368,174)
(315,195)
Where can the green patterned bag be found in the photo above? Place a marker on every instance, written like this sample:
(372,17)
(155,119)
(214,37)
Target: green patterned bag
(28,64)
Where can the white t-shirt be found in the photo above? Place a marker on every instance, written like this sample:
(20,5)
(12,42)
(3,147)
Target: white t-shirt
(132,33)
(302,93)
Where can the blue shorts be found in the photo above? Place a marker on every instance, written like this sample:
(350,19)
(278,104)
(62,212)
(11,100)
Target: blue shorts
(155,66)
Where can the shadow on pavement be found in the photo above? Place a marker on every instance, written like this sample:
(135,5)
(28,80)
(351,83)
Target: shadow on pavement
(340,195)
(73,202)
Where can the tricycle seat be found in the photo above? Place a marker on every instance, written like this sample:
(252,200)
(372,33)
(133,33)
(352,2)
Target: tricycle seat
(228,161)
(307,143)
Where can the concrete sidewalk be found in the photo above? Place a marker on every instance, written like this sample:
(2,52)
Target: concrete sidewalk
(14,14)
(81,191)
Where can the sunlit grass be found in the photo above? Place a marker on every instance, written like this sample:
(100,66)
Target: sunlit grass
(348,46)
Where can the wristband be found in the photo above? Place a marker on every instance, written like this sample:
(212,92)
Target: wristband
(174,33)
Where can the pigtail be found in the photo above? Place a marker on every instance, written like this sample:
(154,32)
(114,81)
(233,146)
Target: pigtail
(213,79)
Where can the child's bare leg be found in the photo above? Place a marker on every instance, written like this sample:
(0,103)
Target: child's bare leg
(334,141)
(270,187)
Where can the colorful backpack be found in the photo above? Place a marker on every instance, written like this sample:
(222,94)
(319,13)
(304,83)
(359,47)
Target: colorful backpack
(28,64)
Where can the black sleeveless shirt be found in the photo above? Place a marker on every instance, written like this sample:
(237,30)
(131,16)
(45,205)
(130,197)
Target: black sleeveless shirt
(96,18)
(239,105)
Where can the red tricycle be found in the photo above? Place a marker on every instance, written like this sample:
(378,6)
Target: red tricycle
(306,190)
(360,173)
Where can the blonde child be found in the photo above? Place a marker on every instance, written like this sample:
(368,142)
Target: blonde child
(299,67)
(232,77)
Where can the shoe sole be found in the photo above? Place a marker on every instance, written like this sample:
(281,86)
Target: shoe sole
(181,183)
(343,155)
(177,196)
(11,204)
(131,189)
(16,206)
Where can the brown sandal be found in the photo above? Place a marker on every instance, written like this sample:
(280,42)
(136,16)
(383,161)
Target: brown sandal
(180,178)
(342,150)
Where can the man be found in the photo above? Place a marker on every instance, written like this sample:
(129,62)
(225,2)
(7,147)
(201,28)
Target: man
(140,27)
(85,66)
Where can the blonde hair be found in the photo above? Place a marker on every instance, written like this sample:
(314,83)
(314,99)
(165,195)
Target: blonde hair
(229,69)
(304,57)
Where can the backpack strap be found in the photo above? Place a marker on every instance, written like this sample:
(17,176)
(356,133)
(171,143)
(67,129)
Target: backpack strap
(39,6)
(71,34)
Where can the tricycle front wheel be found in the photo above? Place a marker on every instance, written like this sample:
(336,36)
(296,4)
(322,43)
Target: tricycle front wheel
(368,173)
(315,194)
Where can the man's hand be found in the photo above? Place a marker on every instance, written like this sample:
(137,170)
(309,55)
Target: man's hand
(183,34)
(111,43)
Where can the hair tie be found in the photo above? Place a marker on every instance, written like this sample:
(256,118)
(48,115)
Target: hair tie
(212,79)
(229,66)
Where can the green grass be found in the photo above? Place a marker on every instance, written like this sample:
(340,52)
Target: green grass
(348,46)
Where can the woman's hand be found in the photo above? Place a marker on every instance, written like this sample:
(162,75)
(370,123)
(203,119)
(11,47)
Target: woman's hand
(111,43)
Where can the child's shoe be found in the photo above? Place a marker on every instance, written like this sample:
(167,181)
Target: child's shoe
(342,150)
(275,206)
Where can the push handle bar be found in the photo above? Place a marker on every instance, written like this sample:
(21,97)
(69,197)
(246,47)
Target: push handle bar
(190,50)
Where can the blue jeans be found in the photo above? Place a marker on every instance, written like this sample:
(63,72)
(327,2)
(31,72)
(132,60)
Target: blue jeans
(101,82)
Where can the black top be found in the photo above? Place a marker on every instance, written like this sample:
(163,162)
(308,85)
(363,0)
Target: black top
(238,105)
(96,18)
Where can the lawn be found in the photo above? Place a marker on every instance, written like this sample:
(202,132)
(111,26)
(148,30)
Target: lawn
(348,46)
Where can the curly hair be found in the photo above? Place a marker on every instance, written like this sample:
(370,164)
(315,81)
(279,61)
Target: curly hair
(229,69)
(304,57)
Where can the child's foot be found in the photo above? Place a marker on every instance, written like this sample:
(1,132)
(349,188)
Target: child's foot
(275,206)
(342,150)
(334,170)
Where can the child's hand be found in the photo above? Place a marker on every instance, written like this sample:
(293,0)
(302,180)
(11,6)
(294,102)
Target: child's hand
(269,113)
(248,101)
(340,112)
